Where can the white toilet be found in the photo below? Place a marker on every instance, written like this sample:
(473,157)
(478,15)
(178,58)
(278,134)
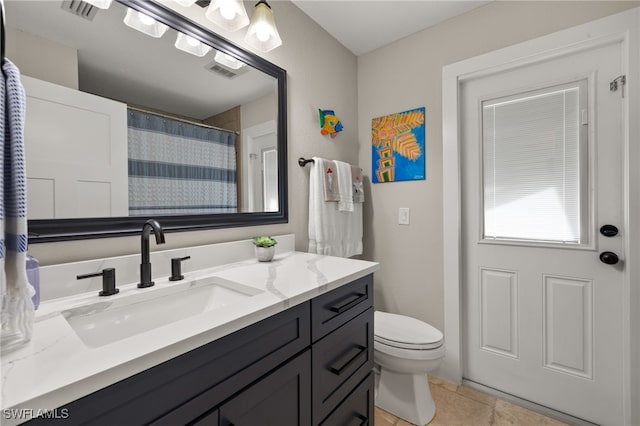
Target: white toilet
(405,349)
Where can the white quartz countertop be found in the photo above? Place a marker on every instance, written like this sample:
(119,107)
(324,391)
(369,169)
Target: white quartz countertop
(56,367)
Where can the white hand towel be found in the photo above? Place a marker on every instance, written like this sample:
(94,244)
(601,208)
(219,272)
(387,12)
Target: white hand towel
(345,186)
(331,232)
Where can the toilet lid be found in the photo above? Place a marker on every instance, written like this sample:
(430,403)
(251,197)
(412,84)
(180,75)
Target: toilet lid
(405,332)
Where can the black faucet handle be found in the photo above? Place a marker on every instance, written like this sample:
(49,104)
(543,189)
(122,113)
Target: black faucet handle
(176,268)
(108,281)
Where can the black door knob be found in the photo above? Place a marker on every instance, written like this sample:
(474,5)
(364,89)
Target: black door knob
(608,257)
(609,230)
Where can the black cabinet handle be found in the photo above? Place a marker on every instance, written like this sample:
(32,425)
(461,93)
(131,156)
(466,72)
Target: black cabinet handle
(345,307)
(358,420)
(351,356)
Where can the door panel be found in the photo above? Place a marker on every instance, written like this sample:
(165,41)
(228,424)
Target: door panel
(89,178)
(543,320)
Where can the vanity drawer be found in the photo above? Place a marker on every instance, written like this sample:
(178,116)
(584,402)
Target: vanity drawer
(179,390)
(340,361)
(329,311)
(357,409)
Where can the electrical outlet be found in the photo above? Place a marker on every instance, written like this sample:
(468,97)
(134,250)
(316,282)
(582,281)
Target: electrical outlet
(403,216)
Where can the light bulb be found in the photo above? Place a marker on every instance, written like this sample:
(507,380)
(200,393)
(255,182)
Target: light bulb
(192,41)
(227,11)
(262,32)
(145,19)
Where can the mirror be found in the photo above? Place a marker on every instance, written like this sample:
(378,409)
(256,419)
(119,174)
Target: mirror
(122,126)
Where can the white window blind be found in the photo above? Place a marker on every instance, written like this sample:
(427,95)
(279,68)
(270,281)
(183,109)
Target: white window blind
(531,165)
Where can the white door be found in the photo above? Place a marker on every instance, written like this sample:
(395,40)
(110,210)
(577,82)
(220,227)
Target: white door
(260,168)
(76,144)
(542,172)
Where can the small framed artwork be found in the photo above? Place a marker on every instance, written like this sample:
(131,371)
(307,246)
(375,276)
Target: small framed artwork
(398,146)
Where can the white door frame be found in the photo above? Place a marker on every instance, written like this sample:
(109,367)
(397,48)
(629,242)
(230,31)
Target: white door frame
(622,27)
(249,135)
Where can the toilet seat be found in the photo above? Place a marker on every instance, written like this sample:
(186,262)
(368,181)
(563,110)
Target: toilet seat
(402,332)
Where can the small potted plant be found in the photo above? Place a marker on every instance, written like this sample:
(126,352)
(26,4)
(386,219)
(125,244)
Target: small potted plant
(265,248)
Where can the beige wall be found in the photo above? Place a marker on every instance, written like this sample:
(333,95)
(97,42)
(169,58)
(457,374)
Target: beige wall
(41,58)
(408,74)
(321,73)
(260,110)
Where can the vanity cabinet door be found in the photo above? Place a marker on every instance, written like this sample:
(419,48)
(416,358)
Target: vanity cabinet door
(282,398)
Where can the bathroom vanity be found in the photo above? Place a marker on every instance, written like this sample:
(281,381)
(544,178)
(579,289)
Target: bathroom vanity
(299,352)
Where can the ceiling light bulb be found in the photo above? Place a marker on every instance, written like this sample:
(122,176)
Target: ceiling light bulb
(146,19)
(144,23)
(262,33)
(228,14)
(192,41)
(191,45)
(227,11)
(228,60)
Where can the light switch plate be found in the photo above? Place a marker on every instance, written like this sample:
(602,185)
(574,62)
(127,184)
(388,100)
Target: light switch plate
(403,216)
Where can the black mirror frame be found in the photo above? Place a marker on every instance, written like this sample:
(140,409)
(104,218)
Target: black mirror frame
(52,230)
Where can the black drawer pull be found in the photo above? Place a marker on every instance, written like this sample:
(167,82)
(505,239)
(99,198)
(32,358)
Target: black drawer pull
(342,308)
(355,353)
(359,420)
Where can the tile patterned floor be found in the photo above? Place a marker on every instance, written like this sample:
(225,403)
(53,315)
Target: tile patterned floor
(460,405)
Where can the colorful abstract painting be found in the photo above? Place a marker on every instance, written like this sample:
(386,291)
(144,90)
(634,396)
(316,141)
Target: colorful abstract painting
(398,148)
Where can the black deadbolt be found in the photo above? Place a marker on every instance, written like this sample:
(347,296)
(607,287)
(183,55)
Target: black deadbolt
(609,258)
(609,230)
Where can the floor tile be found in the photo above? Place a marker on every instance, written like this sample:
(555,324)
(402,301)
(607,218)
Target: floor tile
(455,409)
(382,418)
(460,405)
(477,395)
(445,384)
(511,414)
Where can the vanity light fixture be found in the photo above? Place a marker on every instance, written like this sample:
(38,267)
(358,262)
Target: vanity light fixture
(228,14)
(262,33)
(228,60)
(189,44)
(144,23)
(101,4)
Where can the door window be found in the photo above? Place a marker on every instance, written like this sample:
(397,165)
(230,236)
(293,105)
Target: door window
(534,147)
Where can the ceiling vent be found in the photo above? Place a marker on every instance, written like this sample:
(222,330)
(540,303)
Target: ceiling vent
(224,71)
(80,8)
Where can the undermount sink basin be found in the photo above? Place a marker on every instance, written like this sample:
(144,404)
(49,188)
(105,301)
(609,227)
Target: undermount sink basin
(101,323)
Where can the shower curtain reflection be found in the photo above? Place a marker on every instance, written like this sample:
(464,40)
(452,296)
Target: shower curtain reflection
(179,168)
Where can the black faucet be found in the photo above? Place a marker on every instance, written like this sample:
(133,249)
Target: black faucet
(149,226)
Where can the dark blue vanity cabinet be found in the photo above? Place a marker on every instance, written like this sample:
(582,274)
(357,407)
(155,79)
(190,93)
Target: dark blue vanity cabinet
(308,365)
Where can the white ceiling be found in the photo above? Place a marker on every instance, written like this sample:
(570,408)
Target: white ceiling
(365,25)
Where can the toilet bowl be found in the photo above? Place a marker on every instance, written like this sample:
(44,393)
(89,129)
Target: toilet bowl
(405,350)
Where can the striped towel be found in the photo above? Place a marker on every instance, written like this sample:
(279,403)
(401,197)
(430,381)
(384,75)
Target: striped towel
(17,311)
